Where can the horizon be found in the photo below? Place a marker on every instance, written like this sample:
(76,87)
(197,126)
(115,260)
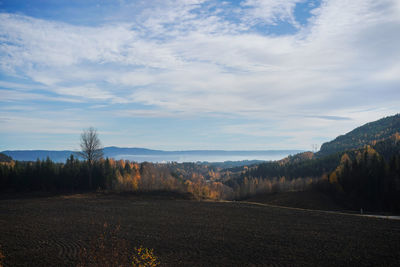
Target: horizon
(195,75)
(144,148)
(157,156)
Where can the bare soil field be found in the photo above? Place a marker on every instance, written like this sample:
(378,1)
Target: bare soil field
(50,231)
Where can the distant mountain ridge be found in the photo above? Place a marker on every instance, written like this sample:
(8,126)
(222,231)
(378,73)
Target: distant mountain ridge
(129,153)
(367,134)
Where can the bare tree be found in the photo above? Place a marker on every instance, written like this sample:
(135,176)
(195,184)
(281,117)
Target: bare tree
(91,149)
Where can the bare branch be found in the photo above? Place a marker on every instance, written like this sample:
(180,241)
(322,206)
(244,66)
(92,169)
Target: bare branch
(91,148)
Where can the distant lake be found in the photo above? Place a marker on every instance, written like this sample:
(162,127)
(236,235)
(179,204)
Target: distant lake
(158,156)
(213,156)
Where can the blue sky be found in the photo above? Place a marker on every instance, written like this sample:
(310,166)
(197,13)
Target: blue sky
(195,74)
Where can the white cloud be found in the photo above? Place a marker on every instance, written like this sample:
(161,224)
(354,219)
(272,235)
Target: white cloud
(18,96)
(89,91)
(391,73)
(184,57)
(270,11)
(40,123)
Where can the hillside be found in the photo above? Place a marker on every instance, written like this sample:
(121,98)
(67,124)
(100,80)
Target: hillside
(367,134)
(304,165)
(5,158)
(367,177)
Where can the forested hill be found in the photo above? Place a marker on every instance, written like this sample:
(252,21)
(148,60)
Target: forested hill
(4,158)
(367,134)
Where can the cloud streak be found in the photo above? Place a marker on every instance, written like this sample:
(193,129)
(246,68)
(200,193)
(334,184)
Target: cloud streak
(212,59)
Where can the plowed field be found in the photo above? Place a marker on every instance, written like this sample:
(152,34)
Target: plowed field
(52,231)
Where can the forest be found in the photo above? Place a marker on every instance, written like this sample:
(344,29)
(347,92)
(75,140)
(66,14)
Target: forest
(107,175)
(364,177)
(367,134)
(368,177)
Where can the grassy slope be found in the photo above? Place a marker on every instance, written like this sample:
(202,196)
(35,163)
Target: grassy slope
(50,231)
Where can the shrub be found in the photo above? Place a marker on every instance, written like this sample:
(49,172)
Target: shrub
(109,250)
(144,257)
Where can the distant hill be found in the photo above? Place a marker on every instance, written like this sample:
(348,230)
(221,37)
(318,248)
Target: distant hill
(308,164)
(368,134)
(62,155)
(32,155)
(5,158)
(144,154)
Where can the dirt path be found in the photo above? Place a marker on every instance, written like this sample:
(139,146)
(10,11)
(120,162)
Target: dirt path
(389,217)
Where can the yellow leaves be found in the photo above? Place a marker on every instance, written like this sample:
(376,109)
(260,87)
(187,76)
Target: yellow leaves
(345,158)
(127,182)
(396,137)
(135,166)
(10,164)
(109,249)
(202,189)
(121,163)
(333,178)
(144,257)
(112,162)
(367,154)
(370,151)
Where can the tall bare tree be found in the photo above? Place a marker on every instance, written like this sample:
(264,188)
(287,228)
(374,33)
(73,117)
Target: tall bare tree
(91,149)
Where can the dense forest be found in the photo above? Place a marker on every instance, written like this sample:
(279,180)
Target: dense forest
(108,175)
(367,177)
(367,134)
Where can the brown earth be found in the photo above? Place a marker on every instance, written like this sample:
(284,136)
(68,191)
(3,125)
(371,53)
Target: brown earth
(50,231)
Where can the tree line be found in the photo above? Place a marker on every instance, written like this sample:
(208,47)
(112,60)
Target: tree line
(368,180)
(106,175)
(367,177)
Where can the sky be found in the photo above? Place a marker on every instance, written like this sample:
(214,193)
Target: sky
(195,74)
